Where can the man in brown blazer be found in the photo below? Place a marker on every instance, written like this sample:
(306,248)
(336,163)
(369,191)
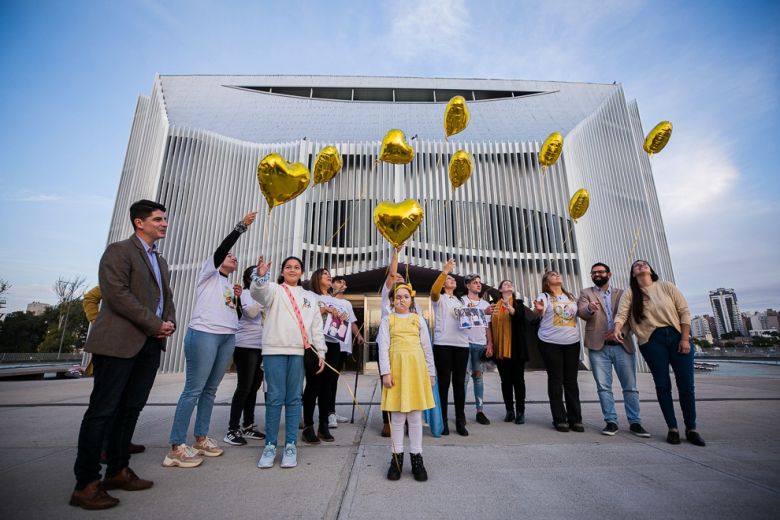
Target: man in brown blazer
(597,306)
(126,339)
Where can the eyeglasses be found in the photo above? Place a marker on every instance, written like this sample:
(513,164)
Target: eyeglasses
(598,272)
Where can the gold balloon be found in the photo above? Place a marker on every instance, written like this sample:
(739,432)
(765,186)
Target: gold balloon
(579,203)
(281,181)
(551,149)
(461,167)
(456,116)
(327,165)
(658,137)
(397,221)
(395,149)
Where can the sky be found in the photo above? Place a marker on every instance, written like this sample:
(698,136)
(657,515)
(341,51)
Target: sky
(73,70)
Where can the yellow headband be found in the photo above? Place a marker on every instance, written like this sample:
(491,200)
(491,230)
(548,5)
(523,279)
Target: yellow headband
(406,286)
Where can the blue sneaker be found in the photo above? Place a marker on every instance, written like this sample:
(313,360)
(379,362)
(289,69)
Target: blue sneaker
(289,456)
(267,458)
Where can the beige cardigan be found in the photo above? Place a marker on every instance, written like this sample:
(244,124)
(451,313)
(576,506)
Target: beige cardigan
(665,306)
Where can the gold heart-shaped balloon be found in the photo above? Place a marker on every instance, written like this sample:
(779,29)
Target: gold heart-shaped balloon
(327,165)
(461,167)
(658,137)
(551,149)
(395,149)
(281,181)
(397,221)
(456,116)
(579,203)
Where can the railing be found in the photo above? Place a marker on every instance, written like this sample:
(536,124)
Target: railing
(741,352)
(35,357)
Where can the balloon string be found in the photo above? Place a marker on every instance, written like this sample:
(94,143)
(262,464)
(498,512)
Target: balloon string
(637,231)
(328,243)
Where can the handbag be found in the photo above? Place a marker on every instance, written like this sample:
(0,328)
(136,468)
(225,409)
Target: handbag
(311,361)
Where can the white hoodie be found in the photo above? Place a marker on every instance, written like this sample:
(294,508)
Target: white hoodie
(281,333)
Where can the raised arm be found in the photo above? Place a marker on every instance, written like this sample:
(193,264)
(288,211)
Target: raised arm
(392,270)
(262,289)
(439,283)
(229,241)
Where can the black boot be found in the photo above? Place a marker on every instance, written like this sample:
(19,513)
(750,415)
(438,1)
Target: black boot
(323,432)
(510,416)
(308,436)
(396,465)
(418,468)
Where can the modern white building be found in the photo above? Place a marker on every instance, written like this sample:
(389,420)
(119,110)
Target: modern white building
(196,141)
(726,311)
(700,328)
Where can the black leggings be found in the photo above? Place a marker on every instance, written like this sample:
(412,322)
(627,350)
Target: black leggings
(512,374)
(451,363)
(319,388)
(342,359)
(250,377)
(562,363)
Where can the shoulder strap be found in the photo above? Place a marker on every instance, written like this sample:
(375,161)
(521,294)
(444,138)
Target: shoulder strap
(298,316)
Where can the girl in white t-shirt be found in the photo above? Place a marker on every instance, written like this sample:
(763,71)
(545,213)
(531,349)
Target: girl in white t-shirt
(559,345)
(208,347)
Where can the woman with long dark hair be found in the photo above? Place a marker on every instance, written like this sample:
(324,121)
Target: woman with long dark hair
(507,328)
(248,358)
(292,325)
(319,386)
(659,317)
(559,345)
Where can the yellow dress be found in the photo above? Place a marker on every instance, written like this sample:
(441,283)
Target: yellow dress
(411,389)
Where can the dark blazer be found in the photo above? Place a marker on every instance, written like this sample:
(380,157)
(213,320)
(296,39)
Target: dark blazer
(130,296)
(596,328)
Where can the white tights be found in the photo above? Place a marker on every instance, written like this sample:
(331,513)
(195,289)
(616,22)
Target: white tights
(397,420)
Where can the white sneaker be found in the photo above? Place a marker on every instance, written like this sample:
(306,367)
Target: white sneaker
(341,418)
(289,456)
(332,421)
(267,457)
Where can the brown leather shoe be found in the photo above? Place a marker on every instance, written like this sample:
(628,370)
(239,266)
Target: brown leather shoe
(386,430)
(132,449)
(127,479)
(93,496)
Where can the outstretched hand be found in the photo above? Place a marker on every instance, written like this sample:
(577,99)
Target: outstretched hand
(538,306)
(449,266)
(249,218)
(262,267)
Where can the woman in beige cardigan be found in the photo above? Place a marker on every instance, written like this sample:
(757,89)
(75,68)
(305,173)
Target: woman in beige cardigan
(658,314)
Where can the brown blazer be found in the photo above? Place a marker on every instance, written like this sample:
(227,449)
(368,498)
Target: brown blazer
(596,324)
(130,296)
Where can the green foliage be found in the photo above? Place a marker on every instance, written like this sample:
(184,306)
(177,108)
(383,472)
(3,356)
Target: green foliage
(703,343)
(24,332)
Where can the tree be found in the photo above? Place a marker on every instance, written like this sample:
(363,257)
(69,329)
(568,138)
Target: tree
(703,343)
(4,287)
(72,339)
(23,331)
(65,289)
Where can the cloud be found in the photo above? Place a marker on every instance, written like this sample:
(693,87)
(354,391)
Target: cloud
(71,199)
(431,27)
(42,197)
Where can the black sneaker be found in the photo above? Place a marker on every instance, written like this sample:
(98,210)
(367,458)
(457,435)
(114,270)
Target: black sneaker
(637,430)
(234,438)
(482,418)
(251,432)
(510,416)
(460,427)
(308,436)
(611,429)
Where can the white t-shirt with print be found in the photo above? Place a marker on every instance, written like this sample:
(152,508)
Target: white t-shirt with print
(477,335)
(559,320)
(215,308)
(446,329)
(250,330)
(344,306)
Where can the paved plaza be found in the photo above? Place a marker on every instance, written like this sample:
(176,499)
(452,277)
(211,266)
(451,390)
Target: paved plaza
(498,471)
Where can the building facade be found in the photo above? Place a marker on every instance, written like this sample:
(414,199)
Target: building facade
(725,309)
(196,141)
(700,328)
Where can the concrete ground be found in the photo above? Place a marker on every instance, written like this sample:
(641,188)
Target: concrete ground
(499,471)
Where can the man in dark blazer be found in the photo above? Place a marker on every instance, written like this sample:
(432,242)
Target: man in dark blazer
(126,339)
(597,306)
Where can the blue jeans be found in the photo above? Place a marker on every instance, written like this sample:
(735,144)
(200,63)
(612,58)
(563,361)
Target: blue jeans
(602,361)
(660,352)
(208,356)
(475,365)
(284,376)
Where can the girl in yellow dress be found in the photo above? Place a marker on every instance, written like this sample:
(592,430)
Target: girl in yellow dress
(408,373)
